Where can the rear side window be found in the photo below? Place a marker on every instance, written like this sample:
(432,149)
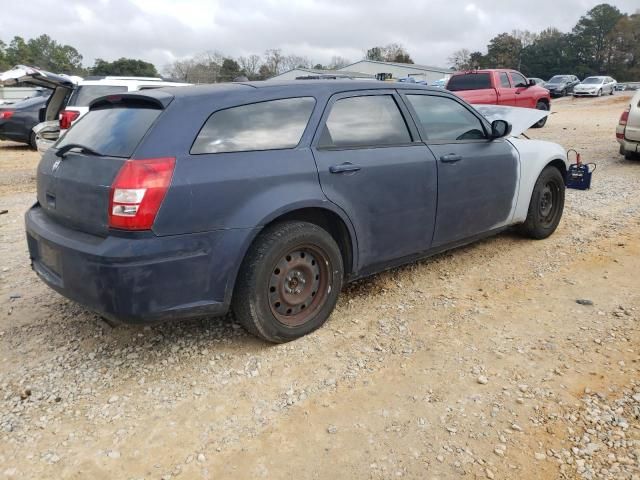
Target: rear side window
(364,121)
(85,94)
(113,132)
(470,81)
(271,125)
(445,120)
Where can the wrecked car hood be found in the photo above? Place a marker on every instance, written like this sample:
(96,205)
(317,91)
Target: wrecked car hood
(35,76)
(521,119)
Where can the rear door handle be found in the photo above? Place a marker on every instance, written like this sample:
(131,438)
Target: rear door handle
(344,168)
(450,158)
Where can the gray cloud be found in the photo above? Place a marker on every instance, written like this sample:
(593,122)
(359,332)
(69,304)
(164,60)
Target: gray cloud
(162,30)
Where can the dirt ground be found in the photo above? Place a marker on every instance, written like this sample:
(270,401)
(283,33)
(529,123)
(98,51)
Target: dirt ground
(477,363)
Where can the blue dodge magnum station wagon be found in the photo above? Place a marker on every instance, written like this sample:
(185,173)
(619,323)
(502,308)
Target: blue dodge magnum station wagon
(265,198)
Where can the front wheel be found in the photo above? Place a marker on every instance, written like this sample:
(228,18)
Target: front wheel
(546,206)
(289,282)
(600,92)
(541,106)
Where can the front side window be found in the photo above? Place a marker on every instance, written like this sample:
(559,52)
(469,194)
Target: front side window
(271,125)
(373,120)
(445,120)
(504,80)
(518,80)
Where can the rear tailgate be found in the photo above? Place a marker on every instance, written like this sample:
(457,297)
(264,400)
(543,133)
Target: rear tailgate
(74,189)
(632,130)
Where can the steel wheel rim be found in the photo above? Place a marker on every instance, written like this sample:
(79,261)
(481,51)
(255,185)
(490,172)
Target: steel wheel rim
(299,285)
(548,203)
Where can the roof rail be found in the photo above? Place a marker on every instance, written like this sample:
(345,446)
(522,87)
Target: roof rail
(146,79)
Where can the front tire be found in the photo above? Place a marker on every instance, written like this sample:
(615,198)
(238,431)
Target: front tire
(600,92)
(546,206)
(543,122)
(289,282)
(32,141)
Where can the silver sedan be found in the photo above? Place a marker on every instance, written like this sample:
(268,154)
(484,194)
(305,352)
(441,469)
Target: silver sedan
(595,87)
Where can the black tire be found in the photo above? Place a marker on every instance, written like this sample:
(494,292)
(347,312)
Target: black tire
(631,156)
(563,93)
(32,141)
(600,92)
(612,91)
(543,122)
(290,263)
(546,205)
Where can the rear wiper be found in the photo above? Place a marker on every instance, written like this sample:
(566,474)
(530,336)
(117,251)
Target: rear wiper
(62,151)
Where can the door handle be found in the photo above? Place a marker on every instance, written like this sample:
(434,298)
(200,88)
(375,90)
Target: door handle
(344,168)
(451,158)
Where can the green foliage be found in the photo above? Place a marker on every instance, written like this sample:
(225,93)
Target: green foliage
(604,41)
(393,52)
(42,52)
(125,67)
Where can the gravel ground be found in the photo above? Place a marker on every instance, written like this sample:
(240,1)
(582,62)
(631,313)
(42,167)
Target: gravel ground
(477,362)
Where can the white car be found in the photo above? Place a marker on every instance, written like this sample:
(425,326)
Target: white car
(628,130)
(595,87)
(58,116)
(88,90)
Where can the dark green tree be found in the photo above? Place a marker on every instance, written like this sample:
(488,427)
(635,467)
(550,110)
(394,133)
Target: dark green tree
(229,70)
(549,55)
(45,53)
(126,67)
(591,40)
(504,51)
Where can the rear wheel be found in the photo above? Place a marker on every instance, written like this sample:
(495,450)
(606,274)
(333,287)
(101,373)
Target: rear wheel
(546,206)
(32,141)
(289,282)
(541,106)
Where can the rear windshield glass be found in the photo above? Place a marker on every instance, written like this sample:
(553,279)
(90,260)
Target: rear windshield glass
(592,80)
(113,132)
(85,94)
(470,81)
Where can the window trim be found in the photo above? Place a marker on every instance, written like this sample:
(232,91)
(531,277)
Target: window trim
(315,105)
(514,83)
(423,134)
(404,113)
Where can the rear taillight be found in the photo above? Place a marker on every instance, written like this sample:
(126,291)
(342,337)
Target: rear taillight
(625,116)
(67,117)
(6,114)
(138,191)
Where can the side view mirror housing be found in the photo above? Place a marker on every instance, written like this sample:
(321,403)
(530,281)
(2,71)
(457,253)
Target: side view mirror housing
(500,129)
(531,83)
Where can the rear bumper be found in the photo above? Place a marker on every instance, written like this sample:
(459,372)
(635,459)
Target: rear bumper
(630,146)
(137,280)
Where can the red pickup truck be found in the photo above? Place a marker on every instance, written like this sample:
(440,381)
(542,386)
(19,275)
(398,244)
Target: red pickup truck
(500,87)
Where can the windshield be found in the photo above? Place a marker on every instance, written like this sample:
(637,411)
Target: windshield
(559,79)
(114,132)
(469,81)
(85,94)
(593,80)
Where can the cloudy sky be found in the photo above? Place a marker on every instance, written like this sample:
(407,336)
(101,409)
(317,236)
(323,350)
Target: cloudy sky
(160,31)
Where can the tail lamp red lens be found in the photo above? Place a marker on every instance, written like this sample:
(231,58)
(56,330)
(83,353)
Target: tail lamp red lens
(67,117)
(624,118)
(138,191)
(6,114)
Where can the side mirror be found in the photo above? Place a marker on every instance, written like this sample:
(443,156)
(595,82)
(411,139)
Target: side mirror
(499,129)
(531,83)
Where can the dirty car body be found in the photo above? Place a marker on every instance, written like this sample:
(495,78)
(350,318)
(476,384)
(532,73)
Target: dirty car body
(391,173)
